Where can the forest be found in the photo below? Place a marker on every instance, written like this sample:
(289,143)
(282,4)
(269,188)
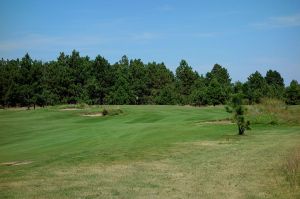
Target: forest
(75,79)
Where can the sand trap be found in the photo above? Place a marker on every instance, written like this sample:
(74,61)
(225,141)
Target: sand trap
(15,163)
(93,114)
(70,109)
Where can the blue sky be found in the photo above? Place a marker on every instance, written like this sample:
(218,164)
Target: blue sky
(243,36)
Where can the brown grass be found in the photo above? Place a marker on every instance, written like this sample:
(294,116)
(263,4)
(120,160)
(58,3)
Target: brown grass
(218,122)
(98,114)
(291,168)
(275,111)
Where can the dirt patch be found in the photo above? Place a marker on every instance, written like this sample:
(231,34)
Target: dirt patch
(100,114)
(206,143)
(200,143)
(15,163)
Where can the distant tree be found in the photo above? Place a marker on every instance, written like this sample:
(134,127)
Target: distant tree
(75,79)
(275,84)
(36,74)
(238,87)
(137,80)
(158,77)
(256,87)
(185,78)
(26,81)
(99,80)
(292,93)
(215,93)
(58,81)
(78,73)
(166,96)
(241,89)
(238,111)
(120,92)
(199,95)
(9,82)
(218,80)
(220,74)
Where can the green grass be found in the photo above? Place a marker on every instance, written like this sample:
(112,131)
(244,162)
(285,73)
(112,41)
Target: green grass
(144,152)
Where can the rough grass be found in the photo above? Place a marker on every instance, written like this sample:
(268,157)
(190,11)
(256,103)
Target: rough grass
(145,152)
(274,111)
(291,168)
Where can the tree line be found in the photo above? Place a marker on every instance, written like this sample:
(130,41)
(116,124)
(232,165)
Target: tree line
(75,79)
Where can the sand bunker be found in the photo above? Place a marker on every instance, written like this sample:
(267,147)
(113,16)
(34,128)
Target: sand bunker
(70,109)
(15,163)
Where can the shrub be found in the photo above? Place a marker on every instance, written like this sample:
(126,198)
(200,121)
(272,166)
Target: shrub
(115,112)
(238,111)
(82,105)
(105,112)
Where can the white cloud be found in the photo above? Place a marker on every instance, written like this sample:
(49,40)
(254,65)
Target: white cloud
(279,22)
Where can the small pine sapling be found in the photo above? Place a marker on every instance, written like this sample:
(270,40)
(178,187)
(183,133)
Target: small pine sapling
(238,111)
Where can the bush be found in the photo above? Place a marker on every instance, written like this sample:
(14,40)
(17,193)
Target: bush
(104,112)
(82,105)
(111,112)
(115,112)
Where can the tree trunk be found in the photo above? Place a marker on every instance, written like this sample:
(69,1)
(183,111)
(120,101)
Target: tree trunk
(241,131)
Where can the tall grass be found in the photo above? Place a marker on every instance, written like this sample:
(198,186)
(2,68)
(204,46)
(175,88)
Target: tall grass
(291,168)
(273,111)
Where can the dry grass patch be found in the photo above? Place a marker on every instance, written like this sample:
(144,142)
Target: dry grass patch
(99,114)
(291,168)
(217,122)
(16,163)
(200,143)
(273,111)
(155,179)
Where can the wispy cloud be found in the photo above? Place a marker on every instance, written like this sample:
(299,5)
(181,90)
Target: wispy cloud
(46,42)
(36,41)
(279,22)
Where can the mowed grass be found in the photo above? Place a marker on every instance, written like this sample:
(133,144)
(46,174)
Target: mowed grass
(145,152)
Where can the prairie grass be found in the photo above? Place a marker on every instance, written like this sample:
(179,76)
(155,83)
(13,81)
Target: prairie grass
(291,168)
(274,112)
